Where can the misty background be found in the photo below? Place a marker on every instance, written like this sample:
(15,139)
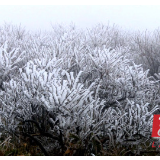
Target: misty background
(40,17)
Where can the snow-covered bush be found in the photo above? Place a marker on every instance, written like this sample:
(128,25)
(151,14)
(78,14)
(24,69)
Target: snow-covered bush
(10,61)
(119,78)
(59,94)
(145,49)
(110,36)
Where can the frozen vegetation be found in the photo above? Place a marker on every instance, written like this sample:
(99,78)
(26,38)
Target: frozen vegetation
(79,92)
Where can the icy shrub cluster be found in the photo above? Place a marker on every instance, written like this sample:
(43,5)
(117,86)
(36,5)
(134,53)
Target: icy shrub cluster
(10,61)
(72,96)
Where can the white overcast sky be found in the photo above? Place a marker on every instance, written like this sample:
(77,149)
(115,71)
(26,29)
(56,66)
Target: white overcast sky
(35,17)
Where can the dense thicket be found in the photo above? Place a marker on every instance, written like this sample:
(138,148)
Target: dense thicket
(79,92)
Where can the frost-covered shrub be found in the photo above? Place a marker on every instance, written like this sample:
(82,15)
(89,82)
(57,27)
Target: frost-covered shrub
(110,36)
(16,36)
(118,78)
(10,61)
(72,107)
(145,49)
(122,82)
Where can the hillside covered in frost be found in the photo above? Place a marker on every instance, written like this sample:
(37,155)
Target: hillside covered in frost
(79,92)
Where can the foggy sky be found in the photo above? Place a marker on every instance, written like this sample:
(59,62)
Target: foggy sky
(41,17)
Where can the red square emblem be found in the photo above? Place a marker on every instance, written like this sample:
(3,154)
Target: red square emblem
(156,126)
